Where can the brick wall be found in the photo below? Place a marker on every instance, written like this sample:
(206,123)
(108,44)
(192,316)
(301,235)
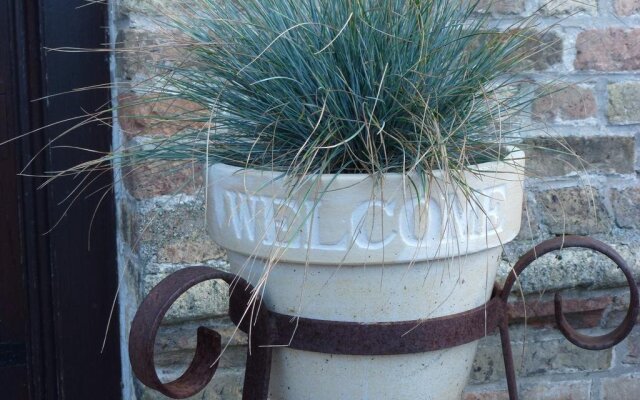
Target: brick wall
(591,49)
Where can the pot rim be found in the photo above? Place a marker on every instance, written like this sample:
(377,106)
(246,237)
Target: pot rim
(515,154)
(336,223)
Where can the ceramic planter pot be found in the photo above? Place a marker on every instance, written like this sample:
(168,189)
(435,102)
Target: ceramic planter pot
(347,248)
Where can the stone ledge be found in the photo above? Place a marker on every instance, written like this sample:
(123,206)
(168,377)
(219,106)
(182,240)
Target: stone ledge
(550,156)
(535,353)
(205,300)
(625,387)
(573,268)
(226,385)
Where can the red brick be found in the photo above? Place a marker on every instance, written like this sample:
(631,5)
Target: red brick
(611,49)
(565,104)
(146,115)
(581,313)
(158,178)
(544,50)
(626,207)
(501,6)
(627,7)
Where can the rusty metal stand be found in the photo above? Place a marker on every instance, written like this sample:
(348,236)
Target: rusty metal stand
(267,329)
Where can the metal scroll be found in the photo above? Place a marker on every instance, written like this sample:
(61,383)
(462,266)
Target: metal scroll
(268,329)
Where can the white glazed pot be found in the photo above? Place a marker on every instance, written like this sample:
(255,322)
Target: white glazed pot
(367,253)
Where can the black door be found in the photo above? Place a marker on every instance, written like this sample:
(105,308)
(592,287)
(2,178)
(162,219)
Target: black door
(13,293)
(57,287)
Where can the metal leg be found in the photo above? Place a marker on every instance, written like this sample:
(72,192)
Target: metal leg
(507,355)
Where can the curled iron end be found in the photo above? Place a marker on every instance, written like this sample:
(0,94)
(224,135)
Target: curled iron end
(584,341)
(145,328)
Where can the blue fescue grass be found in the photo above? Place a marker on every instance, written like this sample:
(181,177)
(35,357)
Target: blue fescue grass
(353,86)
(310,87)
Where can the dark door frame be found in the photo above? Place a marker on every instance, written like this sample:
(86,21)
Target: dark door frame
(70,287)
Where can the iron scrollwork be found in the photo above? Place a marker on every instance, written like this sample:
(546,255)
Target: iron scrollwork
(267,329)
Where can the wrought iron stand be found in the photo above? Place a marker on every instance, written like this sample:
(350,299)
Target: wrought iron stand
(267,329)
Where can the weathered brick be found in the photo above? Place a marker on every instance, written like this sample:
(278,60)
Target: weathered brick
(227,385)
(157,178)
(188,243)
(232,357)
(625,387)
(138,50)
(205,300)
(501,6)
(187,251)
(544,352)
(566,390)
(530,226)
(153,7)
(150,116)
(539,51)
(565,7)
(550,156)
(543,51)
(181,337)
(565,104)
(626,207)
(576,210)
(632,355)
(624,102)
(571,268)
(611,49)
(161,231)
(142,5)
(147,49)
(540,312)
(626,7)
(175,344)
(471,394)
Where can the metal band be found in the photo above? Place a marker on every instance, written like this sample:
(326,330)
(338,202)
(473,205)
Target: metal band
(388,338)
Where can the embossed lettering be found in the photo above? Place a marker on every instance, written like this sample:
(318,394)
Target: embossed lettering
(420,222)
(242,211)
(374,224)
(364,228)
(316,242)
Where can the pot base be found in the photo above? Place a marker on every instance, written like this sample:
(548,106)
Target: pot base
(438,375)
(372,294)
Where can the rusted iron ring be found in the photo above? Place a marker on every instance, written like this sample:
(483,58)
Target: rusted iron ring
(147,322)
(584,341)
